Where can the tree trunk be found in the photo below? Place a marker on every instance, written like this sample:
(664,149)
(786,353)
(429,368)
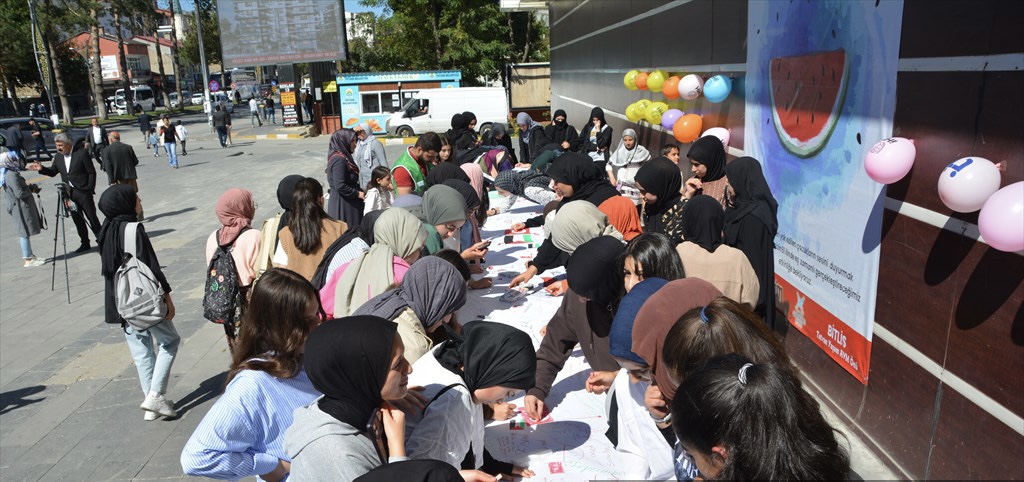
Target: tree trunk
(129,99)
(527,43)
(10,92)
(163,77)
(58,77)
(95,65)
(174,58)
(435,14)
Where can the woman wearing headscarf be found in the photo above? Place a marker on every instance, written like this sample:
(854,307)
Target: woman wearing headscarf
(579,222)
(398,240)
(561,138)
(476,179)
(346,200)
(645,451)
(460,137)
(357,364)
(652,323)
(470,122)
(445,171)
(354,242)
(498,138)
(663,205)
(21,206)
(707,162)
(430,293)
(469,242)
(235,210)
(488,363)
(233,441)
(153,350)
(443,213)
(310,230)
(596,139)
(531,138)
(369,154)
(751,223)
(575,178)
(532,185)
(705,257)
(625,162)
(584,318)
(418,471)
(270,233)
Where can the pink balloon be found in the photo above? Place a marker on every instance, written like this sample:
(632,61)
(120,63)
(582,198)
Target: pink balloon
(890,160)
(966,184)
(1001,221)
(669,118)
(721,133)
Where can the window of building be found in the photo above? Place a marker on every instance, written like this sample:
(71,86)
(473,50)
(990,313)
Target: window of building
(384,102)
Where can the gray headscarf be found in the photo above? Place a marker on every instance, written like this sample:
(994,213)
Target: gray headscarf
(441,204)
(432,287)
(524,119)
(578,222)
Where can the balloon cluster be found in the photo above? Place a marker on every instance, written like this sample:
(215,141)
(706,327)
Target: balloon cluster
(689,87)
(965,186)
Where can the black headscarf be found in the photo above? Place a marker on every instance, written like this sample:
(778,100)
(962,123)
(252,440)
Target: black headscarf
(753,196)
(469,117)
(366,226)
(118,205)
(491,354)
(445,171)
(348,360)
(595,112)
(587,181)
(459,122)
(559,129)
(592,270)
(467,191)
(660,177)
(285,189)
(708,150)
(413,471)
(702,222)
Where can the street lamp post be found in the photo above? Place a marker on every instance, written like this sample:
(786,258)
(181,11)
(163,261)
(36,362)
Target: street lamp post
(202,62)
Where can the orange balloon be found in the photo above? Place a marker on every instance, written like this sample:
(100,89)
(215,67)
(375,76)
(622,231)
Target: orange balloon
(687,128)
(641,80)
(670,89)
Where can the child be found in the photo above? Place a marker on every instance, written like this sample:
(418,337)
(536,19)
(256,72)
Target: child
(182,136)
(379,194)
(446,150)
(154,142)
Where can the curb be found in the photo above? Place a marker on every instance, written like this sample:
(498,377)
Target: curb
(261,137)
(401,141)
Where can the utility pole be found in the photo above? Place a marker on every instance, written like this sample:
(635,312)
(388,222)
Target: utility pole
(174,52)
(202,61)
(35,48)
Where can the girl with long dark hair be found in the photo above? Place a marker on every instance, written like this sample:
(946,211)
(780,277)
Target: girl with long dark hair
(650,255)
(310,230)
(233,441)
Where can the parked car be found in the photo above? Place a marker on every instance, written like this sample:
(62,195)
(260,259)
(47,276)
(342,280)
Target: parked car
(173,97)
(224,100)
(48,132)
(197,99)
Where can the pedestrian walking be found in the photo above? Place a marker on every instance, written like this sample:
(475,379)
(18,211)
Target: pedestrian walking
(182,135)
(221,121)
(270,115)
(254,112)
(15,140)
(169,137)
(145,125)
(97,141)
(40,140)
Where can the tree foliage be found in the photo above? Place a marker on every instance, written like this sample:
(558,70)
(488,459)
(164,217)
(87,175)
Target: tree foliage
(473,36)
(18,67)
(189,51)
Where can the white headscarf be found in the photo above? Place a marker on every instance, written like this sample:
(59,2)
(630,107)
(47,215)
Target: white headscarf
(623,156)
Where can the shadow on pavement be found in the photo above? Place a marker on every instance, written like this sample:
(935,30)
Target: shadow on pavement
(206,391)
(15,399)
(159,232)
(194,164)
(173,213)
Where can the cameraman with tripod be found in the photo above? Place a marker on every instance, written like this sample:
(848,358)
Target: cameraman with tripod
(76,171)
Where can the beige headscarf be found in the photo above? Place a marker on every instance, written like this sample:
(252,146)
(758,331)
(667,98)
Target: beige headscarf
(578,222)
(396,233)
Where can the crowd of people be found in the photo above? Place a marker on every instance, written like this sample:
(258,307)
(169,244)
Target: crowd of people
(349,360)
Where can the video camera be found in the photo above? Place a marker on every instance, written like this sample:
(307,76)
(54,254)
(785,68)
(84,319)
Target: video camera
(64,193)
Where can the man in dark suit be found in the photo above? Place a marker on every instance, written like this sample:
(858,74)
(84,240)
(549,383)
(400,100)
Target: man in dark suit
(119,160)
(145,125)
(96,139)
(75,169)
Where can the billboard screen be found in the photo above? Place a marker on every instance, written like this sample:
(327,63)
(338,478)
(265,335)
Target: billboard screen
(265,32)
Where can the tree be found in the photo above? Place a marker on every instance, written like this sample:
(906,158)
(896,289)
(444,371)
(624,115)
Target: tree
(95,64)
(18,68)
(211,36)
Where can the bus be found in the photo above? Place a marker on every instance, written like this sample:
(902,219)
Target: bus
(241,80)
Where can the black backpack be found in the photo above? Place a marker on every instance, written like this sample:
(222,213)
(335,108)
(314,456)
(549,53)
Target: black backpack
(220,297)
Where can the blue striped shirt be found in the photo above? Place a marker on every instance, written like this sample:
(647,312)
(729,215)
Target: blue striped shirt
(242,434)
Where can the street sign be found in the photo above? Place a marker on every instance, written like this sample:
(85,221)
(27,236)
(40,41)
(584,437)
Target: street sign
(273,82)
(214,86)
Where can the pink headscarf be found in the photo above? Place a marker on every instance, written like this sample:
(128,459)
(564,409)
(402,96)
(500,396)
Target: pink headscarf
(235,210)
(476,177)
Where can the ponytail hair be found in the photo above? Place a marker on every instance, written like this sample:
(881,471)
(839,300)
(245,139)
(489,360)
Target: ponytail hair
(307,215)
(274,327)
(769,427)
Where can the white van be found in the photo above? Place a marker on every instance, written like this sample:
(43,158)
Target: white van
(141,95)
(432,110)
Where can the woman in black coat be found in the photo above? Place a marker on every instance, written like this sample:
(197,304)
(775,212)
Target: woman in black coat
(596,138)
(346,199)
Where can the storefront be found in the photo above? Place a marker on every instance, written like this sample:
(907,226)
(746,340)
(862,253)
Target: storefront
(373,97)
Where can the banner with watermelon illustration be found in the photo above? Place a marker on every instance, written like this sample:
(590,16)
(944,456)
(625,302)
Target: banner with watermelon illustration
(821,90)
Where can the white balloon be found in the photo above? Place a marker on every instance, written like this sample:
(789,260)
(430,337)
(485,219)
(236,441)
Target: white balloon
(691,86)
(721,133)
(966,184)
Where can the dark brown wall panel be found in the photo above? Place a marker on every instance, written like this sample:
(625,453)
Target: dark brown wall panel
(947,28)
(970,444)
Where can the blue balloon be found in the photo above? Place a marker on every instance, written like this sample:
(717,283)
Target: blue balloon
(717,88)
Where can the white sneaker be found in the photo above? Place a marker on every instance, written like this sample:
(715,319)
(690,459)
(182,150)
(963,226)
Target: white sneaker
(150,416)
(34,261)
(159,404)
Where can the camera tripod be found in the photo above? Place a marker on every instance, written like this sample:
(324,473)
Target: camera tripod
(59,230)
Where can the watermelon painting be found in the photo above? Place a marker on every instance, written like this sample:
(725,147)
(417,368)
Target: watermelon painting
(807,94)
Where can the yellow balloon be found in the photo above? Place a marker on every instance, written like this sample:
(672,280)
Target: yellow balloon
(633,113)
(642,105)
(654,112)
(655,80)
(630,79)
